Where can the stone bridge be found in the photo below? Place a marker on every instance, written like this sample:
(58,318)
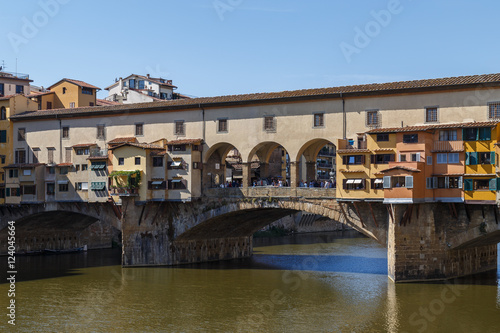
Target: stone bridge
(424,241)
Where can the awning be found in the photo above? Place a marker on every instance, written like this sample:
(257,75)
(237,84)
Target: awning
(350,181)
(98,186)
(176,180)
(156,183)
(379,181)
(176,163)
(357,181)
(62,181)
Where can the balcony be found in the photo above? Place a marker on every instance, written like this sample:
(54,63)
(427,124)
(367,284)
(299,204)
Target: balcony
(98,153)
(125,192)
(15,75)
(448,146)
(326,152)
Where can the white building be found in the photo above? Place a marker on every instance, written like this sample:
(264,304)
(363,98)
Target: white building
(141,89)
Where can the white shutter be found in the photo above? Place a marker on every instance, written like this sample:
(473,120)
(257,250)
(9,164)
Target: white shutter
(446,182)
(387,181)
(428,182)
(434,182)
(460,181)
(429,160)
(409,181)
(418,159)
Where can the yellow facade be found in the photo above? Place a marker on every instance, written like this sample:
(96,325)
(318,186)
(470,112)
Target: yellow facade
(129,154)
(69,94)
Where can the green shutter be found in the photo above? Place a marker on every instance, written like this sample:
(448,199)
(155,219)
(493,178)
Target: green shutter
(467,158)
(468,184)
(473,158)
(484,133)
(498,184)
(493,184)
(3,136)
(7,191)
(492,158)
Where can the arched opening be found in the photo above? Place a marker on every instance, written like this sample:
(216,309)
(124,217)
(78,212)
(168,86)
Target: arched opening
(270,165)
(222,166)
(316,166)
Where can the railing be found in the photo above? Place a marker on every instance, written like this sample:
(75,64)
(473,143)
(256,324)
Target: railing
(124,191)
(325,165)
(448,146)
(16,75)
(98,152)
(270,191)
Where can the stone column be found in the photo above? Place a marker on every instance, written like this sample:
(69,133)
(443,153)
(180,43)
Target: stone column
(294,174)
(310,171)
(264,170)
(246,171)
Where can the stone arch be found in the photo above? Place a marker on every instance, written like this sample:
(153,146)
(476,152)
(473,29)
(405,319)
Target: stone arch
(214,160)
(268,163)
(310,151)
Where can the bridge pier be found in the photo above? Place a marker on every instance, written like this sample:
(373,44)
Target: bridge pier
(421,243)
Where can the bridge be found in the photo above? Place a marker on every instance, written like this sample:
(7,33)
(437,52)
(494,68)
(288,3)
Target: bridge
(423,241)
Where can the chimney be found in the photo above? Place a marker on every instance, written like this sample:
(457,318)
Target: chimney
(147,75)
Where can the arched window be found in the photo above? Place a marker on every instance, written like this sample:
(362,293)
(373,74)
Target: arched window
(3,113)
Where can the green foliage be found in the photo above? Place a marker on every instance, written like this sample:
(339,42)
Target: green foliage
(129,174)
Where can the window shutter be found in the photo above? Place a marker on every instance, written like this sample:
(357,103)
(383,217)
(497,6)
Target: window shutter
(418,158)
(362,159)
(460,181)
(467,158)
(484,133)
(3,136)
(344,184)
(7,191)
(169,184)
(428,183)
(446,182)
(372,159)
(468,184)
(409,181)
(363,183)
(392,158)
(387,181)
(492,157)
(429,160)
(372,183)
(473,158)
(344,160)
(434,182)
(493,184)
(498,184)
(150,185)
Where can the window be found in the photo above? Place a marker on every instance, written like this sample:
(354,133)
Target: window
(441,158)
(68,153)
(377,183)
(398,182)
(139,129)
(50,155)
(2,159)
(402,157)
(64,171)
(474,158)
(49,105)
(72,105)
(381,158)
(29,189)
(222,126)
(3,113)
(318,120)
(354,184)
(453,158)
(137,161)
(84,167)
(82,151)
(177,184)
(21,134)
(101,132)
(63,187)
(121,161)
(415,157)
(65,132)
(13,173)
(64,90)
(269,123)
(2,89)
(20,156)
(157,185)
(15,192)
(131,83)
(448,135)
(36,151)
(372,118)
(3,136)
(494,110)
(431,115)
(410,138)
(77,167)
(443,182)
(84,186)
(157,161)
(429,160)
(91,103)
(19,89)
(141,84)
(382,137)
(52,170)
(179,127)
(353,159)
(485,157)
(480,184)
(473,134)
(87,91)
(51,189)
(26,172)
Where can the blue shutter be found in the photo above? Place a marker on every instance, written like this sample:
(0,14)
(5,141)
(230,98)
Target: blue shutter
(492,157)
(468,185)
(387,181)
(467,158)
(484,133)
(498,184)
(493,184)
(473,158)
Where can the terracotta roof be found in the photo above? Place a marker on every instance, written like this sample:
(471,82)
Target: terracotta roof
(123,140)
(353,151)
(22,165)
(398,167)
(6,97)
(384,149)
(430,85)
(138,145)
(103,102)
(39,93)
(64,165)
(97,158)
(447,174)
(431,127)
(84,145)
(78,83)
(184,142)
(158,152)
(352,171)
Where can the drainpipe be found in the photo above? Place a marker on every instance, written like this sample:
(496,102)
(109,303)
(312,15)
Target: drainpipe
(344,118)
(201,152)
(60,140)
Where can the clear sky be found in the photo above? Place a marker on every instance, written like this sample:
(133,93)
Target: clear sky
(221,47)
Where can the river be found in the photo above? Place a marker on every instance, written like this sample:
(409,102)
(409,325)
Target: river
(335,282)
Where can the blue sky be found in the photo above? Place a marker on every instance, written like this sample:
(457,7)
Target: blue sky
(220,47)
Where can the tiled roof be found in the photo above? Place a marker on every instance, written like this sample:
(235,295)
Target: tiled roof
(123,140)
(22,165)
(431,127)
(84,145)
(103,102)
(383,149)
(78,83)
(353,151)
(6,97)
(400,167)
(64,165)
(39,93)
(138,145)
(98,158)
(432,85)
(184,142)
(351,171)
(158,152)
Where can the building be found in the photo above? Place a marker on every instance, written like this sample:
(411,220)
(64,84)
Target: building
(68,93)
(14,83)
(141,89)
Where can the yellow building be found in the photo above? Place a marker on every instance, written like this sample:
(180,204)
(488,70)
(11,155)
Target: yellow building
(9,106)
(480,178)
(68,93)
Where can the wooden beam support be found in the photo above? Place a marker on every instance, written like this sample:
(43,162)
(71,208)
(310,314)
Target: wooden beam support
(157,212)
(343,211)
(357,212)
(142,212)
(373,214)
(389,209)
(467,212)
(495,211)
